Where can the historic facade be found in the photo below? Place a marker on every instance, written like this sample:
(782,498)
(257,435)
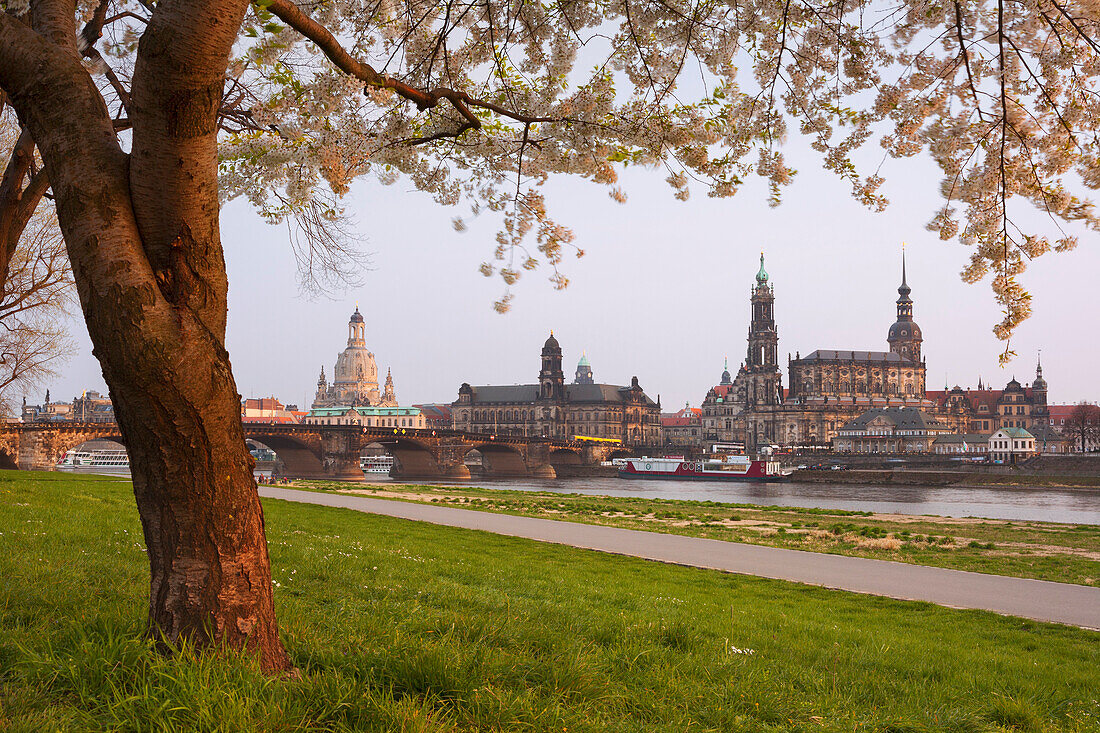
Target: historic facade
(367,416)
(891,376)
(720,411)
(684,427)
(826,389)
(984,410)
(555,409)
(90,407)
(355,378)
(890,430)
(830,388)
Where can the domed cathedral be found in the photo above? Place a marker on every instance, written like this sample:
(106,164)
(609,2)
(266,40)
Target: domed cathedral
(355,378)
(552,408)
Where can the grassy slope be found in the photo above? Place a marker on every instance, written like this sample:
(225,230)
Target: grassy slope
(1063,553)
(404,626)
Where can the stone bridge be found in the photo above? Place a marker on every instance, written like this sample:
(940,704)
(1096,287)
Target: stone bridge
(333,451)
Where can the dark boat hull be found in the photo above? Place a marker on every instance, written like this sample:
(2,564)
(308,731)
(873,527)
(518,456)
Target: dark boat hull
(697,477)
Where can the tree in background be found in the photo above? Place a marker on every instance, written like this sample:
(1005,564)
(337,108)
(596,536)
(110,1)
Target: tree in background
(140,110)
(1083,424)
(35,281)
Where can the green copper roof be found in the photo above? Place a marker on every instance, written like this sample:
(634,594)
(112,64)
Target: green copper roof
(583,361)
(762,275)
(341,410)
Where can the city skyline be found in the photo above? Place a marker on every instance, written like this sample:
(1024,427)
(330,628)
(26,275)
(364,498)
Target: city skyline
(661,294)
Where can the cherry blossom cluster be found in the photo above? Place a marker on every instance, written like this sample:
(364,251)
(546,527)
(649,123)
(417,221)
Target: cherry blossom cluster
(1001,94)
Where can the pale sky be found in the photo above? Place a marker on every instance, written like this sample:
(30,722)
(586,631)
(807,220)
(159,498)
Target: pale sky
(662,293)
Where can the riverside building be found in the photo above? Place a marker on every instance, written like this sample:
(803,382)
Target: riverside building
(827,388)
(553,409)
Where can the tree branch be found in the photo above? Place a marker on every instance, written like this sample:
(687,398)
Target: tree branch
(293,16)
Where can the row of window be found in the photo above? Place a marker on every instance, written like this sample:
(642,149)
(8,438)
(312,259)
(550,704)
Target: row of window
(860,388)
(370,422)
(1015,444)
(513,416)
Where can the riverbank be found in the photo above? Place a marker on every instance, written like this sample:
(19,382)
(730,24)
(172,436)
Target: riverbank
(1059,552)
(910,477)
(934,475)
(401,626)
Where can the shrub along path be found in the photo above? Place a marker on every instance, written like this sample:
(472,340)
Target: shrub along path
(1035,599)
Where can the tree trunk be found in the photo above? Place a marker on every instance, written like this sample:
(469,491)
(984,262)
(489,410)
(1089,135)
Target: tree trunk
(200,513)
(142,235)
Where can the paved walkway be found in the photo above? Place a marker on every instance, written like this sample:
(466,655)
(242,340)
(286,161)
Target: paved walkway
(1077,605)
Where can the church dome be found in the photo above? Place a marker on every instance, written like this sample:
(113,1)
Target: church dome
(762,274)
(905,331)
(356,365)
(551,343)
(356,317)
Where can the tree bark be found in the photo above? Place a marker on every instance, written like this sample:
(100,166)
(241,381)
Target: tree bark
(142,235)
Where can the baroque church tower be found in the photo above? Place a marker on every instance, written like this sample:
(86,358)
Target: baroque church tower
(905,336)
(761,369)
(551,377)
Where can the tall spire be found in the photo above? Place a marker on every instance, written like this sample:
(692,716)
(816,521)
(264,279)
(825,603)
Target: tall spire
(904,289)
(903,263)
(761,274)
(905,303)
(1039,364)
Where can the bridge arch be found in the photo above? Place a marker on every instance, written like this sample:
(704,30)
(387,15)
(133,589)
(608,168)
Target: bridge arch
(411,458)
(565,457)
(501,460)
(44,450)
(298,458)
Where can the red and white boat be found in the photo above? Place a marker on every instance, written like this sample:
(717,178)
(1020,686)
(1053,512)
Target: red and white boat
(726,468)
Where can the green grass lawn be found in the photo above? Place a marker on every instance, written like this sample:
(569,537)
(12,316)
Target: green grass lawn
(1064,553)
(404,626)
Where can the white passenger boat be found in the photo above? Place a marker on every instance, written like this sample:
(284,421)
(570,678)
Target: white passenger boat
(100,458)
(376,464)
(715,468)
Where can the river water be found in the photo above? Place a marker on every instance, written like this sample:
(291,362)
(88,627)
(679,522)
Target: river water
(1074,506)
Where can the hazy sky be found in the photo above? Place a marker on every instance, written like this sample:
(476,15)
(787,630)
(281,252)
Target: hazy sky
(662,293)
